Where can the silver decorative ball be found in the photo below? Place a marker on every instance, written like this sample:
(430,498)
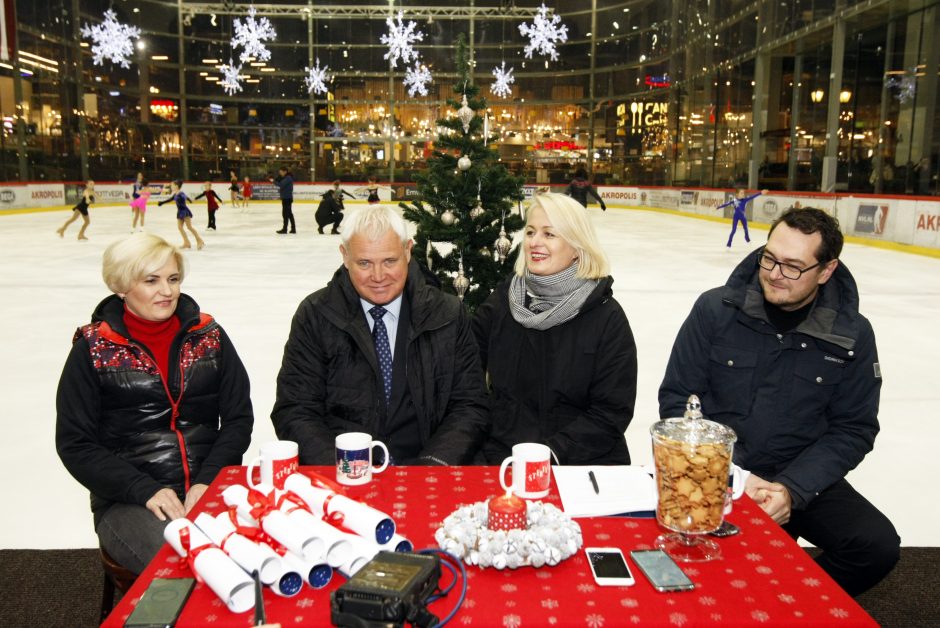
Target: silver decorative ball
(477,211)
(464,163)
(448,218)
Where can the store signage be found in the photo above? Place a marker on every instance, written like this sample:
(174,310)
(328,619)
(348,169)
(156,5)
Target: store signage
(642,115)
(661,80)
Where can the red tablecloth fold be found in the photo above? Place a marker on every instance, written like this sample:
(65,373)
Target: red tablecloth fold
(764,577)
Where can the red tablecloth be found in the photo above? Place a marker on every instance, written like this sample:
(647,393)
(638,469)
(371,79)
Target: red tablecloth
(763,578)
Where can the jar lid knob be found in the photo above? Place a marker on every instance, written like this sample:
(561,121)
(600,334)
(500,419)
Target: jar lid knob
(693,408)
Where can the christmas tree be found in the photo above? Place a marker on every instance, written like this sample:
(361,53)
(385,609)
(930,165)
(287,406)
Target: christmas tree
(467,200)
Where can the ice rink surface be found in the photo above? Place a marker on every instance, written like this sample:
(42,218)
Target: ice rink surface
(252,280)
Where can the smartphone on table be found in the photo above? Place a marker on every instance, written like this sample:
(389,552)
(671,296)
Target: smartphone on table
(609,567)
(661,570)
(161,603)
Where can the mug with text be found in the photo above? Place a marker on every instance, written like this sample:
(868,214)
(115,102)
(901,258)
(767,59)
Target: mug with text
(531,470)
(354,458)
(278,459)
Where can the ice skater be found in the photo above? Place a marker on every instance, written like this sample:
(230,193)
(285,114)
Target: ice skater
(372,190)
(233,187)
(184,217)
(740,212)
(81,209)
(338,193)
(213,202)
(246,192)
(580,188)
(139,204)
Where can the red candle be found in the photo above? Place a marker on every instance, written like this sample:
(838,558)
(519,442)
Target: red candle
(506,512)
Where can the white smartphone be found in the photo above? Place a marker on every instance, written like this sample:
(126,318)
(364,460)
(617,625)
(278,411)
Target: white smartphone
(661,570)
(609,567)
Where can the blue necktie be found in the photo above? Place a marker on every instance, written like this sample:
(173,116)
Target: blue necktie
(382,350)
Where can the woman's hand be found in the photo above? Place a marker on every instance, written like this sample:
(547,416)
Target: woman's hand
(193,496)
(165,505)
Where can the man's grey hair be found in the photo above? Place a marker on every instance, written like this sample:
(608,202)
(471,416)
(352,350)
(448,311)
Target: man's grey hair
(373,222)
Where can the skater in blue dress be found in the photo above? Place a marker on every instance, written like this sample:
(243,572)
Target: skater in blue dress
(740,212)
(184,217)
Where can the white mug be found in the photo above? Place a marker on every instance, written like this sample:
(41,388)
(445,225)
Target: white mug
(354,458)
(531,470)
(278,459)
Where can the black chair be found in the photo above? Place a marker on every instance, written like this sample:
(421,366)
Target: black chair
(117,579)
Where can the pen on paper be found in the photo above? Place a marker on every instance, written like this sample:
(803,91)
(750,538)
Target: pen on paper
(597,489)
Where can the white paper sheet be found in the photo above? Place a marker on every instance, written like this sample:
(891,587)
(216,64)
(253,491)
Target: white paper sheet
(621,489)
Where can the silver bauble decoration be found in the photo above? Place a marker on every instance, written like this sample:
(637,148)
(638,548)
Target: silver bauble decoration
(477,210)
(461,283)
(448,217)
(503,244)
(465,113)
(464,163)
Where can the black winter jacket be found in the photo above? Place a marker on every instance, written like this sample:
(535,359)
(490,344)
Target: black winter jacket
(330,381)
(804,403)
(571,387)
(285,186)
(122,433)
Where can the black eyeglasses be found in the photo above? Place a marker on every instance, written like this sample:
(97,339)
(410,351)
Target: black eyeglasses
(789,271)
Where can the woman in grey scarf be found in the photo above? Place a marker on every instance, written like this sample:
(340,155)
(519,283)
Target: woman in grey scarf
(557,348)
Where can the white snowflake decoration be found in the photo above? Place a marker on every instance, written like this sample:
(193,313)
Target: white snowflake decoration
(906,86)
(543,34)
(504,78)
(112,40)
(400,40)
(317,78)
(417,79)
(251,35)
(231,81)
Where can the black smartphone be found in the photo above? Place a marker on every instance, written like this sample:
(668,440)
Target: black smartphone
(161,603)
(661,570)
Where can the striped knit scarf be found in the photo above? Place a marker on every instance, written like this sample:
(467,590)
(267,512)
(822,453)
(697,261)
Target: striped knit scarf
(542,302)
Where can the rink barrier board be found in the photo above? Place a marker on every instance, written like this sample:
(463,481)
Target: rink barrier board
(906,224)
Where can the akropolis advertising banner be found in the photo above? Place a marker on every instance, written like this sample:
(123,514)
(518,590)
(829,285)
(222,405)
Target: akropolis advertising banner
(927,224)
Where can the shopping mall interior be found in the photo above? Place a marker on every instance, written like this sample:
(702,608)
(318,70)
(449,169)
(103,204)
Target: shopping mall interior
(803,95)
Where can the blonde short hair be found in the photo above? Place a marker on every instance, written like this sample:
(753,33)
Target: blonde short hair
(373,222)
(571,222)
(130,259)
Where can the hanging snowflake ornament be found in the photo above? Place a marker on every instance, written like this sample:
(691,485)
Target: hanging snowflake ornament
(400,40)
(417,79)
(231,81)
(112,40)
(543,34)
(251,36)
(504,78)
(317,78)
(906,86)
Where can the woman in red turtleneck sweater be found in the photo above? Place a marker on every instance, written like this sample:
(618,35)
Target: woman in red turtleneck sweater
(152,402)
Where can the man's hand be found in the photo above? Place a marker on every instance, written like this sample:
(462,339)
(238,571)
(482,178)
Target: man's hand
(165,505)
(193,496)
(772,497)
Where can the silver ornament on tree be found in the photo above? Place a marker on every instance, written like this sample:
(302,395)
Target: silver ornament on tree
(464,163)
(461,283)
(465,113)
(478,210)
(503,244)
(448,217)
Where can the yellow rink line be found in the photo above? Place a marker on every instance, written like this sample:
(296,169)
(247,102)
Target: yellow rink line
(878,244)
